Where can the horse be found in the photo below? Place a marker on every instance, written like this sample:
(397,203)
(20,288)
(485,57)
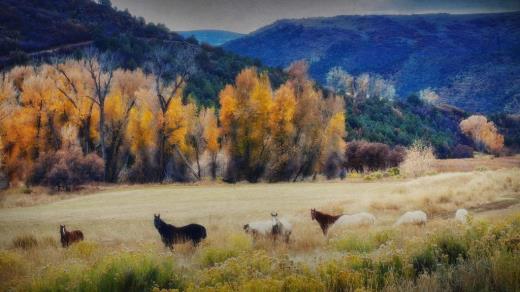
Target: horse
(171,235)
(281,228)
(325,220)
(68,238)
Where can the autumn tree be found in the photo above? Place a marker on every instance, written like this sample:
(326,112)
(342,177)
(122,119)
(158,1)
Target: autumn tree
(171,75)
(308,121)
(72,83)
(126,88)
(210,134)
(141,136)
(281,126)
(245,124)
(100,67)
(483,132)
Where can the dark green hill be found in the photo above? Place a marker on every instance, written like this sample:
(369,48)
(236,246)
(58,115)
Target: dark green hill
(33,30)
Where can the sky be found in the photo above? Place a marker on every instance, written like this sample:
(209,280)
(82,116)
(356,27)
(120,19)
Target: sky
(248,15)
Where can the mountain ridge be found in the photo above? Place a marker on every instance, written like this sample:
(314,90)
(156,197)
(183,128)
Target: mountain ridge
(409,50)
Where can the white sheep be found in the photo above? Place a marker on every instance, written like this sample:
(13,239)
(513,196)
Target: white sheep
(462,215)
(270,228)
(412,217)
(259,228)
(359,219)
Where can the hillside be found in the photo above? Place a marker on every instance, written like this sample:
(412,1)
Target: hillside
(33,31)
(471,61)
(211,36)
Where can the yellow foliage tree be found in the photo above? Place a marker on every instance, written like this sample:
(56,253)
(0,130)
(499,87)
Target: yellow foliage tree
(484,133)
(210,133)
(245,123)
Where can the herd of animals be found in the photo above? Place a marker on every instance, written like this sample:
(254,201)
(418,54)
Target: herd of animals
(276,228)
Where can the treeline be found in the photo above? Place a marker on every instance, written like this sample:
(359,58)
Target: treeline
(85,120)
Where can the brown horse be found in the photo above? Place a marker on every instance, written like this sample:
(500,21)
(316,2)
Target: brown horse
(325,220)
(68,238)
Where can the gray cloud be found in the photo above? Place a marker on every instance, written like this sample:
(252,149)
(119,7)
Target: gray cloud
(248,15)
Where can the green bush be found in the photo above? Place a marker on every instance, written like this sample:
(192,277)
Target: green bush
(451,248)
(393,171)
(424,261)
(354,243)
(123,272)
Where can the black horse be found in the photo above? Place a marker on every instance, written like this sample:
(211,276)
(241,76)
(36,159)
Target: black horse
(171,235)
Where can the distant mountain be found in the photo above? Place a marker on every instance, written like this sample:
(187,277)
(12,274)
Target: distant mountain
(471,61)
(210,36)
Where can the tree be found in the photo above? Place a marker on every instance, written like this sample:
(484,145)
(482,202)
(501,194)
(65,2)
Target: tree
(484,134)
(210,133)
(281,123)
(171,75)
(127,86)
(429,96)
(105,3)
(72,83)
(100,67)
(245,124)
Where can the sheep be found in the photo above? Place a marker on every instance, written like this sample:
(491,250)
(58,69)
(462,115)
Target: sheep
(412,217)
(461,215)
(259,228)
(358,219)
(272,229)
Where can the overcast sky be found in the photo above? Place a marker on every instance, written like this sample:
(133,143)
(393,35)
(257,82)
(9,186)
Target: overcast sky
(248,15)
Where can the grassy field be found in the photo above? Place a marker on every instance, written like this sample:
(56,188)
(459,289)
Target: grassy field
(118,227)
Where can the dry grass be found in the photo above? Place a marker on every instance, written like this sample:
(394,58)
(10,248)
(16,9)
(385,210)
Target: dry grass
(120,219)
(125,215)
(480,162)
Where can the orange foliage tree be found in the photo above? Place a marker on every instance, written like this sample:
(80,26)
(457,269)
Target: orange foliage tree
(146,129)
(483,132)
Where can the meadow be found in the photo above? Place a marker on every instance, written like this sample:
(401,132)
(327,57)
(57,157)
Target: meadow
(122,250)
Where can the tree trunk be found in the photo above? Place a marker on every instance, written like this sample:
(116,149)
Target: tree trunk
(185,161)
(102,137)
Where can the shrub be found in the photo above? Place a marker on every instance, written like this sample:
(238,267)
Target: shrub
(418,161)
(212,256)
(66,169)
(361,156)
(462,151)
(451,248)
(122,272)
(354,243)
(26,241)
(393,171)
(424,261)
(83,249)
(333,166)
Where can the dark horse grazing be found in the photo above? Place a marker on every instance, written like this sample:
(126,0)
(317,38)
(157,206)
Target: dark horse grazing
(68,238)
(325,220)
(171,235)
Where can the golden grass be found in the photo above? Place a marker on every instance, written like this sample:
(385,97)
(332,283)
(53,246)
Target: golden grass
(480,162)
(120,219)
